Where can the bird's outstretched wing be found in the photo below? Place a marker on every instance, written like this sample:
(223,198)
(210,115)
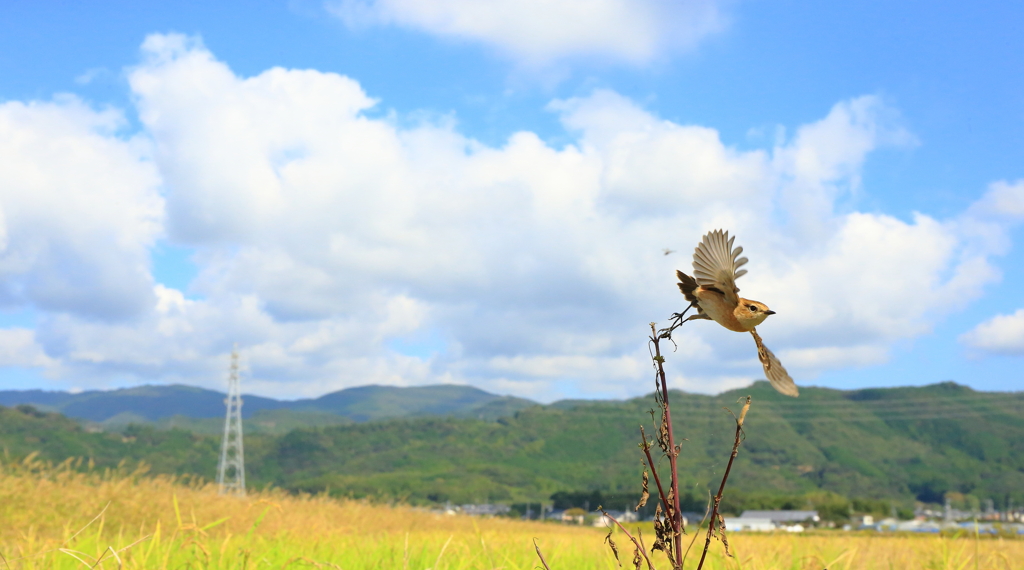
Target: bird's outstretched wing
(773,369)
(715,264)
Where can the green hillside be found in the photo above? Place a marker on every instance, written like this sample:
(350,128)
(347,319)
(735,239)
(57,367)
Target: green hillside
(25,430)
(274,422)
(898,444)
(367,403)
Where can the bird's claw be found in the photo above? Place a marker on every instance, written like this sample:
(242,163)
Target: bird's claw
(677,320)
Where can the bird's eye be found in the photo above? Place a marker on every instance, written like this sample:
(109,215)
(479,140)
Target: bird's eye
(753,308)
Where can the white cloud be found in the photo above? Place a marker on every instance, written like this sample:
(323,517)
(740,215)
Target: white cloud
(706,384)
(834,356)
(1004,200)
(985,224)
(18,347)
(79,208)
(1002,334)
(536,32)
(324,236)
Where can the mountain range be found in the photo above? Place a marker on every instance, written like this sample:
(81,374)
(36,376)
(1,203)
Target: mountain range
(929,443)
(202,411)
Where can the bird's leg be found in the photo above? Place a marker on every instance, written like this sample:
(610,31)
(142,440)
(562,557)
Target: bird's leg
(676,322)
(762,352)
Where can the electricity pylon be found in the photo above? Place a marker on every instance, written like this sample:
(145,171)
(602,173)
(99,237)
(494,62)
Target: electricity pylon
(231,469)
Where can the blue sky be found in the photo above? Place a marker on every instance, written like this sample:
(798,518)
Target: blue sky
(478,192)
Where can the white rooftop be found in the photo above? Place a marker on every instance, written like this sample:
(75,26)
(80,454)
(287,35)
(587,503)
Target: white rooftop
(781,516)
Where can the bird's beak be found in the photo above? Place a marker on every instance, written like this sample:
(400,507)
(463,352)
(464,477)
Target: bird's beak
(769,312)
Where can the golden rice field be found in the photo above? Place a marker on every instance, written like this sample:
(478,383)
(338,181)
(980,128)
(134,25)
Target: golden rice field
(60,518)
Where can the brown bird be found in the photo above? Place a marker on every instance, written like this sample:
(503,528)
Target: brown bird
(712,289)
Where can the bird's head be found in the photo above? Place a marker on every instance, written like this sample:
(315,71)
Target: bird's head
(752,313)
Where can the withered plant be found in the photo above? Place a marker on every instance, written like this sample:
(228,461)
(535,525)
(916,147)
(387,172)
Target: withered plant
(668,519)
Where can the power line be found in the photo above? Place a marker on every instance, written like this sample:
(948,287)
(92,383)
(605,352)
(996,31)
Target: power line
(1008,404)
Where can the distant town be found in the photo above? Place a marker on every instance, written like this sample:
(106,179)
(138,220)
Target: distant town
(988,520)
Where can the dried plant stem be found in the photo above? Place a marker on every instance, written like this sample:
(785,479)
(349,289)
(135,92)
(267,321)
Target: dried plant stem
(715,517)
(646,446)
(669,534)
(542,561)
(675,517)
(639,545)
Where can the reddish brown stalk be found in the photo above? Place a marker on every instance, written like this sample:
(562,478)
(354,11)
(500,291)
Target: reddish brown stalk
(676,516)
(654,471)
(715,519)
(635,542)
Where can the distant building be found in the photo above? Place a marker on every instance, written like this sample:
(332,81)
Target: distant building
(786,518)
(485,510)
(863,520)
(766,521)
(749,524)
(575,514)
(621,516)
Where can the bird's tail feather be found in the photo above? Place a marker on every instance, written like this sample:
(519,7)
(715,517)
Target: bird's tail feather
(687,285)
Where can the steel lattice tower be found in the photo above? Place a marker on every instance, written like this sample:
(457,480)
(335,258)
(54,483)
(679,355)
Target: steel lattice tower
(231,469)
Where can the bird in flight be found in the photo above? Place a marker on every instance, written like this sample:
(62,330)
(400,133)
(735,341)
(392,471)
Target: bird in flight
(712,289)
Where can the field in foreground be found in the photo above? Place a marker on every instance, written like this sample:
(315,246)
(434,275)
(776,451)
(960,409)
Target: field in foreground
(60,518)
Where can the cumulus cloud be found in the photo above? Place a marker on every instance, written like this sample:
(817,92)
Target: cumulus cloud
(327,240)
(18,347)
(1004,200)
(536,32)
(79,209)
(985,221)
(1002,334)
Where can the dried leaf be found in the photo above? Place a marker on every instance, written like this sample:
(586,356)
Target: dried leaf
(645,495)
(659,530)
(743,413)
(663,534)
(663,433)
(637,559)
(611,544)
(725,539)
